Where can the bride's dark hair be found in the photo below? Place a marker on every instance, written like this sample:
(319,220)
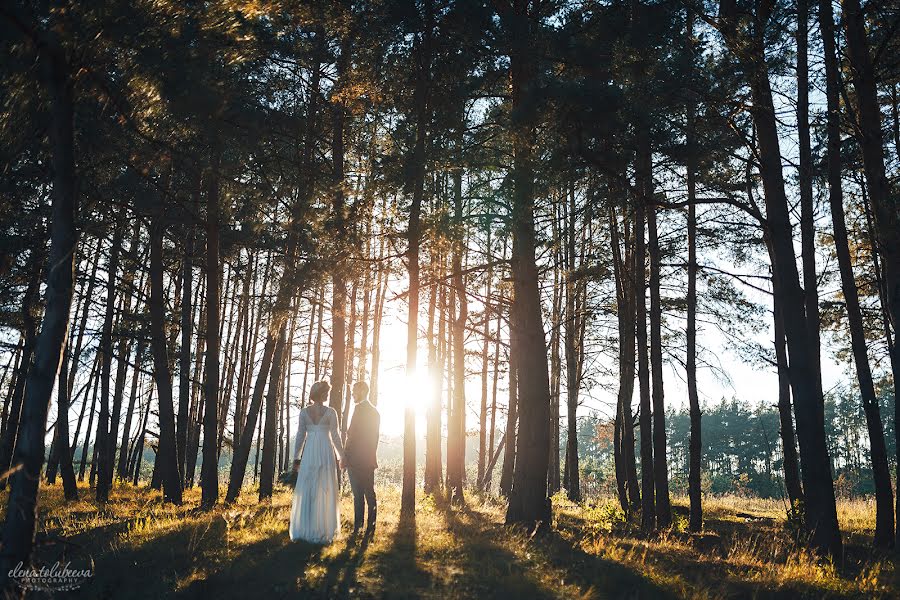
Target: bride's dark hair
(319,391)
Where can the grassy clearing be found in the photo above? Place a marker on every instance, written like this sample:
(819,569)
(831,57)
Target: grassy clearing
(145,549)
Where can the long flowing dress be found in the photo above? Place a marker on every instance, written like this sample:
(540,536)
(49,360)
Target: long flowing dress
(315,513)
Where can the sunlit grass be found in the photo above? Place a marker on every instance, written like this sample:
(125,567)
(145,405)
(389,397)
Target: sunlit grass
(144,548)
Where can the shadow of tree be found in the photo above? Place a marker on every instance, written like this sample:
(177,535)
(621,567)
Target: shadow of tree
(594,575)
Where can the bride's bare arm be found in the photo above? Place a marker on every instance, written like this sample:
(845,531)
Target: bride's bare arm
(298,441)
(336,437)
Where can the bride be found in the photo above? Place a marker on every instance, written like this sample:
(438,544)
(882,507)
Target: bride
(315,515)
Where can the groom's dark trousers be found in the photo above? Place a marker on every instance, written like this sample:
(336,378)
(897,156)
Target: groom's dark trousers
(362,482)
(359,453)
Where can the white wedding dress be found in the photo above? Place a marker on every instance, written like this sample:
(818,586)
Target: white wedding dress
(315,513)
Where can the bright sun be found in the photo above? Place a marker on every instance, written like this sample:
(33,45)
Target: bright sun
(396,391)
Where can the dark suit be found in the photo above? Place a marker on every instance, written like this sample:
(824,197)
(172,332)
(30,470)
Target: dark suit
(359,454)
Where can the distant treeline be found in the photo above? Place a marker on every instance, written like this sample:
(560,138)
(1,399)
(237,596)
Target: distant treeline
(742,449)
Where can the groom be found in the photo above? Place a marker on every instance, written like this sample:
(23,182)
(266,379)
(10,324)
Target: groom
(359,455)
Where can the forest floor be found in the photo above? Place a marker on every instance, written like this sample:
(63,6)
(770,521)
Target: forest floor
(143,548)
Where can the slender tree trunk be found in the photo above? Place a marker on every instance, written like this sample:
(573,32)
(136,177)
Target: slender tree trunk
(421,102)
(20,389)
(102,443)
(184,356)
(648,496)
(166,457)
(820,508)
(573,350)
(122,466)
(660,462)
(884,207)
(67,471)
(509,454)
(805,176)
(553,481)
(267,468)
(209,470)
(485,347)
(90,425)
(456,433)
(624,275)
(884,498)
(432,483)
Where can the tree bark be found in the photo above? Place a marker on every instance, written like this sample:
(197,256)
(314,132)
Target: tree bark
(884,497)
(885,209)
(456,432)
(648,492)
(21,508)
(660,461)
(209,470)
(820,509)
(166,457)
(102,441)
(267,466)
(528,501)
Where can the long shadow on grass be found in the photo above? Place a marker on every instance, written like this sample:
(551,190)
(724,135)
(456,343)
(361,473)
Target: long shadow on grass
(595,576)
(272,568)
(488,569)
(398,566)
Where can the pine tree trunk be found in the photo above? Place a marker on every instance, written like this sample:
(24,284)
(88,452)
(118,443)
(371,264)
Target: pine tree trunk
(209,469)
(267,466)
(21,508)
(884,208)
(30,337)
(509,454)
(648,492)
(624,276)
(820,508)
(884,498)
(528,501)
(456,432)
(184,355)
(102,443)
(166,458)
(805,175)
(660,462)
(432,479)
(63,456)
(122,466)
(695,444)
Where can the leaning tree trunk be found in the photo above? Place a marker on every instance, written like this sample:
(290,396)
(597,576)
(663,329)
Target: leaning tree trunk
(820,509)
(63,455)
(21,507)
(29,335)
(884,208)
(267,466)
(884,497)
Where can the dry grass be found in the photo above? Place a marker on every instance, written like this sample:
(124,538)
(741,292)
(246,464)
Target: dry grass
(146,549)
